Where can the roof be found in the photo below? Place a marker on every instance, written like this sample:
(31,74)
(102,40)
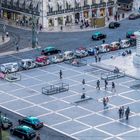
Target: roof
(97,33)
(125,1)
(49,47)
(26,128)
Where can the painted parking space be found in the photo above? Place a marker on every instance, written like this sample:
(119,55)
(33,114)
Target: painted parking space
(84,120)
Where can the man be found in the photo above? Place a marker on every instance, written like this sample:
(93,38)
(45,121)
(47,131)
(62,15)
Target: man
(106,83)
(113,87)
(120,112)
(127,112)
(98,85)
(60,74)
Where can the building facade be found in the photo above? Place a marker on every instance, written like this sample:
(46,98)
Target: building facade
(51,13)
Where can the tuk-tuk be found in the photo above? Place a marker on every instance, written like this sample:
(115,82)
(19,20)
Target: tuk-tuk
(132,41)
(114,46)
(42,60)
(9,67)
(57,58)
(104,48)
(68,55)
(6,122)
(27,63)
(125,43)
(81,52)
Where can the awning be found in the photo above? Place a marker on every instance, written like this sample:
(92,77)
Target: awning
(21,3)
(28,3)
(69,2)
(8,1)
(50,4)
(60,3)
(78,1)
(15,2)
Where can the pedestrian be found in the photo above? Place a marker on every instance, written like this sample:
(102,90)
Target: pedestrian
(103,41)
(3,38)
(119,40)
(120,112)
(98,85)
(127,112)
(17,47)
(38,136)
(106,83)
(99,58)
(7,34)
(60,74)
(83,96)
(83,83)
(61,28)
(107,101)
(104,102)
(113,87)
(96,58)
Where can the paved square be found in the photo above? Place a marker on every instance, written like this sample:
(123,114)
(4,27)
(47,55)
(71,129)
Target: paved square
(85,121)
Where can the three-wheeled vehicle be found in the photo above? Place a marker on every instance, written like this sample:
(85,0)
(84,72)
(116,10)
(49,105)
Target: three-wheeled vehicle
(57,58)
(125,43)
(68,55)
(114,46)
(81,52)
(27,64)
(42,60)
(9,67)
(6,122)
(104,48)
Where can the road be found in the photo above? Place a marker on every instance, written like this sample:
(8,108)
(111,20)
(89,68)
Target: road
(45,133)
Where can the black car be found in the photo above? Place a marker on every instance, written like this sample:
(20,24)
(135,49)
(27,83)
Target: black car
(98,36)
(134,16)
(23,132)
(113,25)
(32,122)
(50,50)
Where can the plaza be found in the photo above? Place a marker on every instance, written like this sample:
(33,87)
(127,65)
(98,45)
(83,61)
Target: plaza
(83,121)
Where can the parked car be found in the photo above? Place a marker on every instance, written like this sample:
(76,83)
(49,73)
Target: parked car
(23,132)
(129,34)
(9,67)
(134,16)
(104,48)
(114,46)
(6,122)
(27,64)
(98,36)
(81,52)
(42,60)
(125,43)
(57,58)
(68,55)
(50,50)
(113,25)
(31,122)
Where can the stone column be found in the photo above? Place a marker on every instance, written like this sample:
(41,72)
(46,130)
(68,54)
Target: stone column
(136,58)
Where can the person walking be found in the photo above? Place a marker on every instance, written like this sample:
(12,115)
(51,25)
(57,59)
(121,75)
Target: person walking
(98,85)
(122,115)
(60,74)
(127,112)
(17,47)
(38,136)
(106,83)
(83,83)
(113,87)
(104,102)
(120,112)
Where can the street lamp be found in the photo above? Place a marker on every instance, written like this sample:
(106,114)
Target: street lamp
(33,28)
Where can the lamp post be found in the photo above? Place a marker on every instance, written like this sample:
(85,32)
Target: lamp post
(0,127)
(33,28)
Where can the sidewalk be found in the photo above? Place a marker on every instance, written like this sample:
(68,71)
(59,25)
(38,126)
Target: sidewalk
(6,39)
(68,28)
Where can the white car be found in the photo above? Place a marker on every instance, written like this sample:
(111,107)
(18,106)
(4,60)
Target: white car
(68,55)
(125,43)
(57,58)
(27,63)
(81,52)
(9,67)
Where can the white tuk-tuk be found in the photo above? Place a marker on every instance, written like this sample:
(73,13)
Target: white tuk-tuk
(9,67)
(57,58)
(27,63)
(104,48)
(125,43)
(68,55)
